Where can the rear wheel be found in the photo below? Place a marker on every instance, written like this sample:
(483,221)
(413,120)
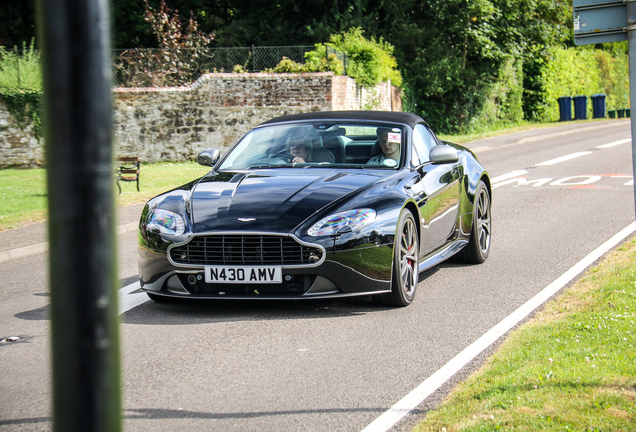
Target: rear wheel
(405,263)
(478,248)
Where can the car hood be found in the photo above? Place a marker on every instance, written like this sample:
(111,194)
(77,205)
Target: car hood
(275,200)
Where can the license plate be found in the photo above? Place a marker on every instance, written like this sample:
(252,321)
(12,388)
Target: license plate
(231,274)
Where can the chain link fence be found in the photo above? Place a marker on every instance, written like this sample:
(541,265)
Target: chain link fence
(154,67)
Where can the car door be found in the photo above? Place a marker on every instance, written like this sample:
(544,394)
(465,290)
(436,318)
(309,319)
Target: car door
(438,192)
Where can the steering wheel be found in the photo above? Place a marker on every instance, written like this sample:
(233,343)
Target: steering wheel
(284,155)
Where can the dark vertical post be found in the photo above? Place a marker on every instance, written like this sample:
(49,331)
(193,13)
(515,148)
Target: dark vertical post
(631,40)
(75,41)
(253,59)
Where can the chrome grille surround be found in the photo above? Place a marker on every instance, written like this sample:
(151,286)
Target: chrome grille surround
(245,249)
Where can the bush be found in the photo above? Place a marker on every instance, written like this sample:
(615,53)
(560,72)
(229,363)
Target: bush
(501,101)
(583,72)
(320,60)
(287,65)
(20,70)
(369,62)
(21,86)
(315,61)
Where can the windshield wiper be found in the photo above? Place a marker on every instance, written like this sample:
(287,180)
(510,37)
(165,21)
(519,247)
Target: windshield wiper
(268,166)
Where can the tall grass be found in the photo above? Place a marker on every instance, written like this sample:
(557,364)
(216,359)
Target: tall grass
(20,69)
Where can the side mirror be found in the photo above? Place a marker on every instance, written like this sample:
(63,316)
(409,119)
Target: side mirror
(209,157)
(444,154)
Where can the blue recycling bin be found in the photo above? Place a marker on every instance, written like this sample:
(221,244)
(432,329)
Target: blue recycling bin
(565,108)
(580,107)
(598,105)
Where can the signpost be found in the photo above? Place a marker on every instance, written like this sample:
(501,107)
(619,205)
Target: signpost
(602,21)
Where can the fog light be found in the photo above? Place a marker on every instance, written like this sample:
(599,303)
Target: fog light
(192,279)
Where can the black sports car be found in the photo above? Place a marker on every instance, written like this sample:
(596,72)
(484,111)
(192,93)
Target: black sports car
(319,205)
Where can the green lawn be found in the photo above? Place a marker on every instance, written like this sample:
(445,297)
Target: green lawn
(23,191)
(572,367)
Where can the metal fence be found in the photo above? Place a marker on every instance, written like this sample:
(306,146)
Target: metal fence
(154,67)
(145,67)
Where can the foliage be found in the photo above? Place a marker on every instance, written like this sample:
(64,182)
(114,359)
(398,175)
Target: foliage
(169,31)
(20,69)
(21,86)
(321,60)
(500,103)
(24,106)
(575,71)
(17,22)
(315,61)
(177,60)
(287,65)
(370,62)
(450,53)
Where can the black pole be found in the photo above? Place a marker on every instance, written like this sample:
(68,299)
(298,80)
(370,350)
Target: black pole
(75,41)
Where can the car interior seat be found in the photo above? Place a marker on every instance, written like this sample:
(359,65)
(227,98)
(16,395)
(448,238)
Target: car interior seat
(333,141)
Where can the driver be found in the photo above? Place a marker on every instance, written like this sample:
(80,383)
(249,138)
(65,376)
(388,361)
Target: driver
(299,144)
(305,145)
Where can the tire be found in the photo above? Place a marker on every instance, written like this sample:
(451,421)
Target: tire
(405,263)
(478,248)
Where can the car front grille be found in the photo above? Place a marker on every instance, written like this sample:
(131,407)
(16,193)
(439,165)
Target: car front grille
(245,250)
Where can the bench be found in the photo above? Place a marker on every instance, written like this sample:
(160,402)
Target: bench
(128,170)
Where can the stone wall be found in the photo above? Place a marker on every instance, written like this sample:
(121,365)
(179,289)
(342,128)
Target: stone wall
(18,146)
(176,123)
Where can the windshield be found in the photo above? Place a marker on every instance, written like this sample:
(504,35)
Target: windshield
(310,144)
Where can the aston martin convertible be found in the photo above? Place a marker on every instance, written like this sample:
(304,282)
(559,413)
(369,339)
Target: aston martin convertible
(318,205)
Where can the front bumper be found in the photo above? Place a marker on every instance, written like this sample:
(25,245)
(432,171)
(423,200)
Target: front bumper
(363,270)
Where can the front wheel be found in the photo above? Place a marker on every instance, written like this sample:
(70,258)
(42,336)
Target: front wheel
(405,263)
(478,248)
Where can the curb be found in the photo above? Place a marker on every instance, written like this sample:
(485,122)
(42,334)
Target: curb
(43,247)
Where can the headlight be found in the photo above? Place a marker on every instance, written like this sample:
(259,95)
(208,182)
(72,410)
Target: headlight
(166,222)
(354,219)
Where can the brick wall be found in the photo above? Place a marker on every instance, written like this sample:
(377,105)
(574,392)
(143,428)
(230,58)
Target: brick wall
(177,123)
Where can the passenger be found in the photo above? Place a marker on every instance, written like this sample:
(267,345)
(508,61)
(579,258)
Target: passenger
(390,149)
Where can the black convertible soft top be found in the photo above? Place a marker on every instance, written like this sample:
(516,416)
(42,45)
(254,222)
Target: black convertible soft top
(388,116)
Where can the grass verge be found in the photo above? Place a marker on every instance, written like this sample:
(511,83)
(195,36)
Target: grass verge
(521,127)
(572,367)
(24,200)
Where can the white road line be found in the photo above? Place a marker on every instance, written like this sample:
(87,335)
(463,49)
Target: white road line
(615,143)
(507,176)
(629,183)
(564,158)
(129,299)
(387,420)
